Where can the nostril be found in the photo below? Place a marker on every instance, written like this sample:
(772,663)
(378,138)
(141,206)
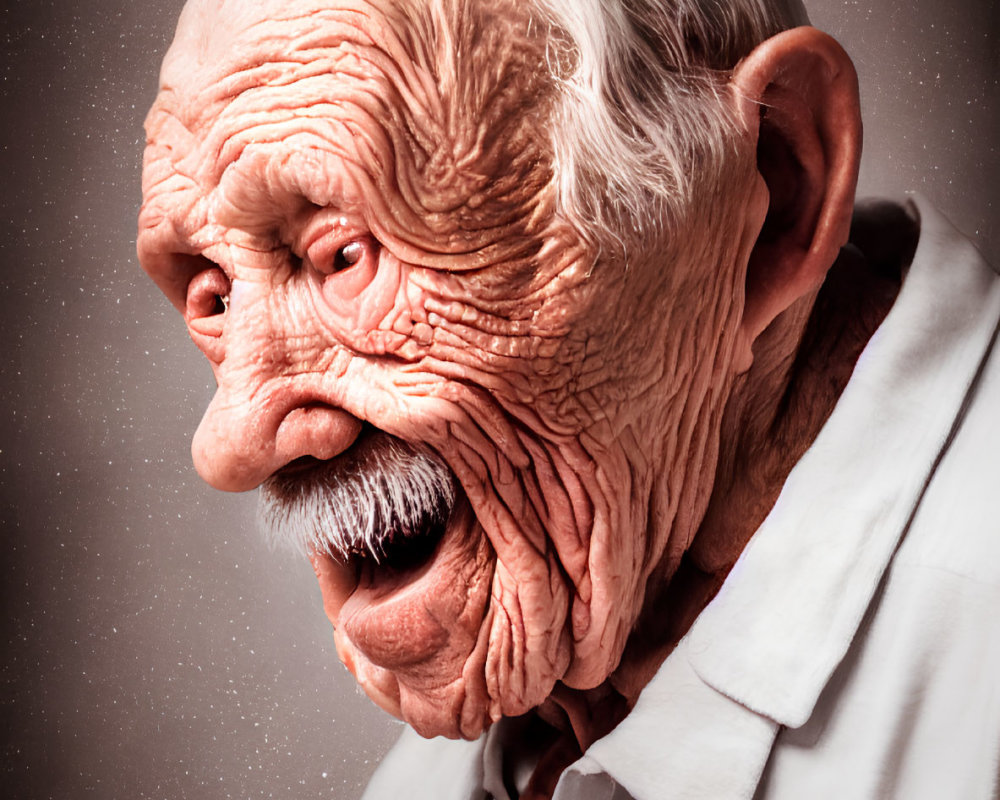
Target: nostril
(207,302)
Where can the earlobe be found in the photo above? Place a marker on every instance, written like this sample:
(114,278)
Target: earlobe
(797,95)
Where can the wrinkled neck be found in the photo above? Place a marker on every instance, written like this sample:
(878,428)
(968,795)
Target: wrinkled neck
(802,364)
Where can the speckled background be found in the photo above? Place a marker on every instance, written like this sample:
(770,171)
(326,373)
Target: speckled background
(152,646)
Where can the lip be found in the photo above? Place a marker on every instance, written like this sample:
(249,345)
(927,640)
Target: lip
(376,578)
(412,613)
(419,629)
(373,601)
(388,617)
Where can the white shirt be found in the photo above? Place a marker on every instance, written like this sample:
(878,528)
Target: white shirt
(854,650)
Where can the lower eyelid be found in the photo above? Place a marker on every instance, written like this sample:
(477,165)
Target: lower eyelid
(345,286)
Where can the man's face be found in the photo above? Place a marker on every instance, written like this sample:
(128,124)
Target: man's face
(483,439)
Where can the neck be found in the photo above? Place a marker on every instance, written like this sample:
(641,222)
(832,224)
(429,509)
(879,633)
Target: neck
(801,365)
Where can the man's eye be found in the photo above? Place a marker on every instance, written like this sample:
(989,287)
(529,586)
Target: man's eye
(348,255)
(327,261)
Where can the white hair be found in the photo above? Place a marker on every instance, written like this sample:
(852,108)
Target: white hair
(639,126)
(384,498)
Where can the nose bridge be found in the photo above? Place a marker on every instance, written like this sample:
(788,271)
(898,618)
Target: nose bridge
(262,415)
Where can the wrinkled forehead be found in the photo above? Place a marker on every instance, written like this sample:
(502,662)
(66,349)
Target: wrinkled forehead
(220,40)
(422,116)
(428,66)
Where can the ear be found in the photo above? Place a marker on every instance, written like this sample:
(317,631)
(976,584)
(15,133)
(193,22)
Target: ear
(797,93)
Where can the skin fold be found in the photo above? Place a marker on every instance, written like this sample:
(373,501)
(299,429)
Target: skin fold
(353,205)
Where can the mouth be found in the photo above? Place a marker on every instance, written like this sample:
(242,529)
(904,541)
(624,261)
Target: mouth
(405,571)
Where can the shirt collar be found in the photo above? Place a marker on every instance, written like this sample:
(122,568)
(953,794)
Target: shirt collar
(785,618)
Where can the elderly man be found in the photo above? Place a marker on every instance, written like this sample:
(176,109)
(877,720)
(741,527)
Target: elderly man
(523,316)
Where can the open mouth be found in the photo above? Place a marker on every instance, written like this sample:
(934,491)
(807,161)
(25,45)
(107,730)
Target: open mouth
(405,571)
(414,636)
(383,504)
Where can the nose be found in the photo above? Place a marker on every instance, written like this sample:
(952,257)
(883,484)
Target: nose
(261,418)
(238,446)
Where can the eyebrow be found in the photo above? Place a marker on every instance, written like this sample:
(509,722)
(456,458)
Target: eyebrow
(267,193)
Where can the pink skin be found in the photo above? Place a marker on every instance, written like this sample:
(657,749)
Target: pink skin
(472,322)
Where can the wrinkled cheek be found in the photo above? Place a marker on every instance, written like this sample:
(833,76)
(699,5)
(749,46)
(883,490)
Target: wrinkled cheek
(530,643)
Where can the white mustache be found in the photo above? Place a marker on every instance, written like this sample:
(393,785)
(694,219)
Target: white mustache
(376,498)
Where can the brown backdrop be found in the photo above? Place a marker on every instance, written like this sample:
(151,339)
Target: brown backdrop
(152,647)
